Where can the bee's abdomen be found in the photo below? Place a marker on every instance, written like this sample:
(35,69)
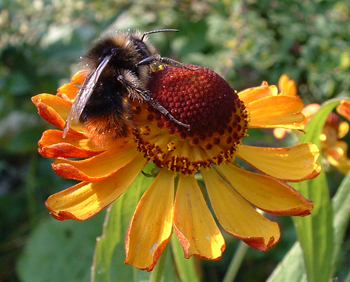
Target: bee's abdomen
(107,112)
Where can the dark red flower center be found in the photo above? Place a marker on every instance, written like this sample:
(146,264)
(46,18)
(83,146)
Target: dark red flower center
(201,99)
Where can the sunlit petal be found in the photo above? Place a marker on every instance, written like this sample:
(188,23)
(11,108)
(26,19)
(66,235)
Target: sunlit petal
(266,193)
(344,109)
(294,163)
(276,111)
(151,225)
(255,93)
(98,167)
(238,217)
(193,223)
(54,110)
(67,90)
(287,85)
(52,145)
(78,77)
(51,108)
(85,199)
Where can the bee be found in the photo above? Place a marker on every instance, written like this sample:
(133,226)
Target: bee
(118,69)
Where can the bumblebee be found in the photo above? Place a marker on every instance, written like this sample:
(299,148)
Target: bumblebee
(118,68)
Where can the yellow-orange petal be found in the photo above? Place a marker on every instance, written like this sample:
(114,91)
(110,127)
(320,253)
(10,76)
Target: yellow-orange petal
(287,85)
(49,107)
(67,90)
(151,224)
(255,93)
(85,199)
(78,77)
(295,163)
(53,145)
(276,111)
(344,109)
(193,223)
(98,167)
(54,110)
(266,193)
(238,217)
(343,129)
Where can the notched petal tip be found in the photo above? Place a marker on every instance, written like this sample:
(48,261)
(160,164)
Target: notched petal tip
(188,251)
(259,243)
(146,265)
(302,210)
(61,215)
(193,223)
(150,227)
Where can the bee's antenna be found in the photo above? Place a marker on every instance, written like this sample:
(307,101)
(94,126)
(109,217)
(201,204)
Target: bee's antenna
(158,30)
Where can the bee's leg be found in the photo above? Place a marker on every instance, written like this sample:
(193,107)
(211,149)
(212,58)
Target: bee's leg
(171,62)
(146,97)
(167,61)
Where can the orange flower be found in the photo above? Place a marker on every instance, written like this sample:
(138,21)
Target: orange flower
(334,149)
(219,118)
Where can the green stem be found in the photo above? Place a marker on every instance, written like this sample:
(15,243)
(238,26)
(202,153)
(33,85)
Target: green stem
(347,278)
(236,262)
(157,272)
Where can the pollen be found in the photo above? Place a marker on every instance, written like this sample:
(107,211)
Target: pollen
(200,98)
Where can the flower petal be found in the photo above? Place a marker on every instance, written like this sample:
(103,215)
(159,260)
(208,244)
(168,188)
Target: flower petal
(85,199)
(255,93)
(294,163)
(98,167)
(276,111)
(344,109)
(193,223)
(53,145)
(68,90)
(238,217)
(266,193)
(79,77)
(151,224)
(287,85)
(54,110)
(48,107)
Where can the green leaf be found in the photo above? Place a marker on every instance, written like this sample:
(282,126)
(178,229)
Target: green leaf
(185,267)
(110,253)
(341,204)
(315,232)
(163,271)
(292,267)
(60,250)
(110,249)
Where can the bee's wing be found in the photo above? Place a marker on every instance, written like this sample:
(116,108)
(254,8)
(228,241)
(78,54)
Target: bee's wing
(84,94)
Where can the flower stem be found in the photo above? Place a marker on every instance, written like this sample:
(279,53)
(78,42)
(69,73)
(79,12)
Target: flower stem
(236,262)
(157,272)
(347,278)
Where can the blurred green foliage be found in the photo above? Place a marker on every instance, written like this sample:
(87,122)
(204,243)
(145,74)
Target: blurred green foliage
(244,41)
